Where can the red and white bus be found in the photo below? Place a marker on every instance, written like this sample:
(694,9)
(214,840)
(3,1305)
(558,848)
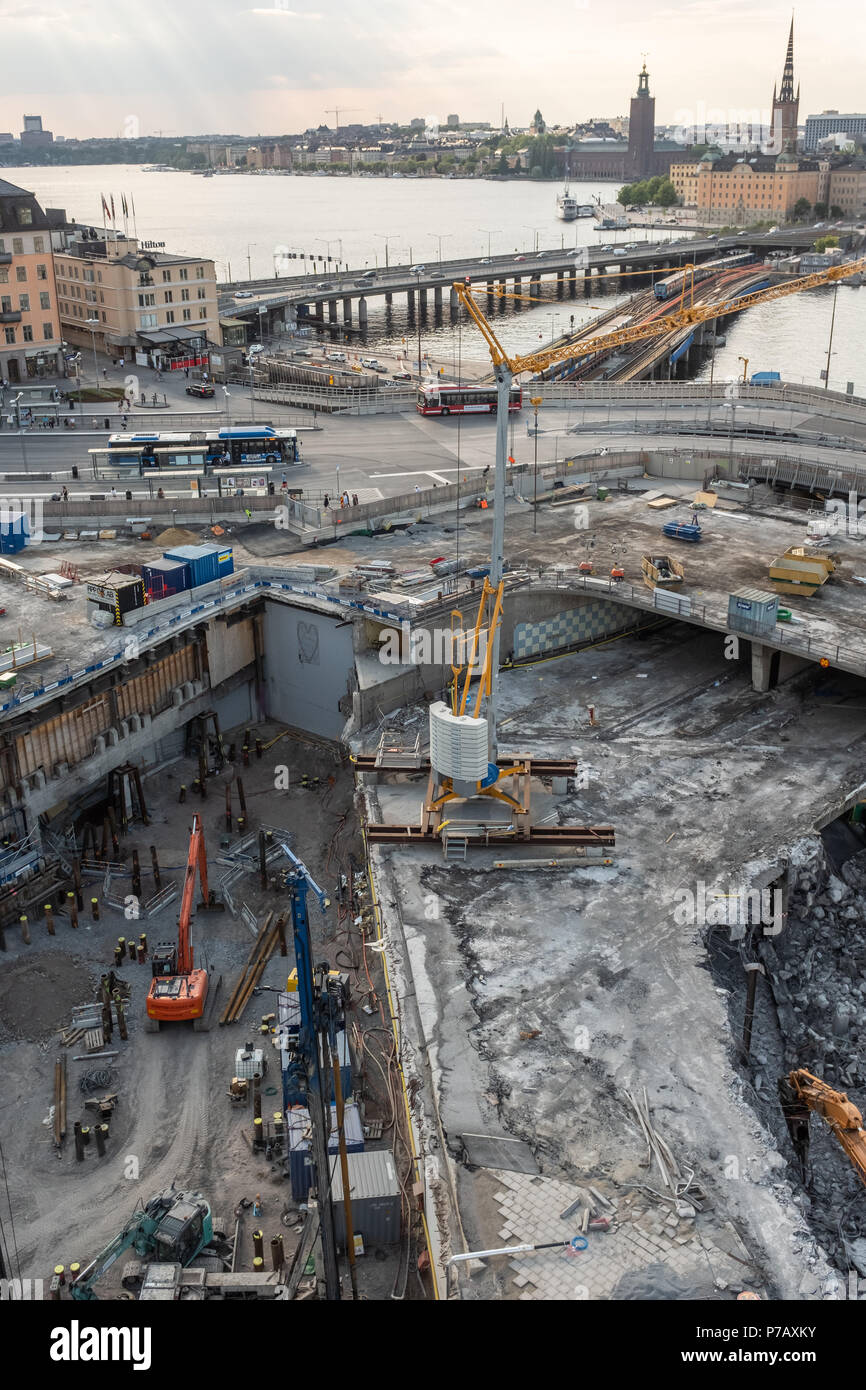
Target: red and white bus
(464,400)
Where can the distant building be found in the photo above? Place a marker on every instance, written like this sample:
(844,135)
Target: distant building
(6,137)
(417,123)
(640,156)
(739,189)
(30,340)
(848,188)
(33,136)
(142,303)
(786,105)
(831,123)
(452,121)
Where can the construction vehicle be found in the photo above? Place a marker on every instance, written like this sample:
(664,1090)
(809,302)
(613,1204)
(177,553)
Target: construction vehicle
(173,1226)
(801,1093)
(506,366)
(661,571)
(178,992)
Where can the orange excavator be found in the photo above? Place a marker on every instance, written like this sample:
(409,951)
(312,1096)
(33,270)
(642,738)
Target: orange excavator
(178,992)
(801,1093)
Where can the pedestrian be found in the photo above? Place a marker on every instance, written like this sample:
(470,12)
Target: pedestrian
(112,492)
(248,514)
(327,502)
(105,373)
(121,363)
(417,487)
(64,494)
(486,471)
(186,372)
(154,398)
(354,499)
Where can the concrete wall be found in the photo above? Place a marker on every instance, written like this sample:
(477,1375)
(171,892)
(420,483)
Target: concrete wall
(535,622)
(308,668)
(230,647)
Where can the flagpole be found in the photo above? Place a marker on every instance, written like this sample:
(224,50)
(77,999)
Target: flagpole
(134,222)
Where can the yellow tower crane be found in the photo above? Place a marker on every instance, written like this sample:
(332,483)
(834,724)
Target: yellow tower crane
(506,366)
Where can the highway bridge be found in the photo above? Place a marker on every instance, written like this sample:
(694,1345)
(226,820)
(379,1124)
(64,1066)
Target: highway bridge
(286,298)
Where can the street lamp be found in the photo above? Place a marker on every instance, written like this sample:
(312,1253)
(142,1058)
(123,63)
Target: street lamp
(535,402)
(830,343)
(381,237)
(436,237)
(335,241)
(418,310)
(93,324)
(745,362)
(250,245)
(489,232)
(535,231)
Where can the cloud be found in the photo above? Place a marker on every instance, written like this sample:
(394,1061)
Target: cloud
(284,14)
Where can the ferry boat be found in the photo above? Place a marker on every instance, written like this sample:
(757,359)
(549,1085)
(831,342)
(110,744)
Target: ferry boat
(566,206)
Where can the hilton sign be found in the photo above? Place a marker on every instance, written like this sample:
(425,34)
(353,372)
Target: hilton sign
(152,245)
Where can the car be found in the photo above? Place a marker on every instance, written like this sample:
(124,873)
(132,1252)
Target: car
(631,246)
(324,285)
(402,376)
(539,254)
(371,364)
(254,348)
(243,294)
(619,251)
(368,275)
(437,275)
(417,269)
(335,356)
(485,260)
(361,284)
(201,389)
(520,258)
(607,248)
(577,251)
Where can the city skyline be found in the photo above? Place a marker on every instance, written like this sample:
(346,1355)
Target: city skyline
(291,66)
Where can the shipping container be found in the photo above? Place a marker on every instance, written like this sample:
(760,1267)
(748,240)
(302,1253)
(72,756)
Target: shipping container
(203,561)
(225,561)
(299,1143)
(375,1195)
(753,611)
(14,531)
(163,578)
(119,593)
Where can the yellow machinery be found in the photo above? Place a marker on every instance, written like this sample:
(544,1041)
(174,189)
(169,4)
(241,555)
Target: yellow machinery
(801,1093)
(661,571)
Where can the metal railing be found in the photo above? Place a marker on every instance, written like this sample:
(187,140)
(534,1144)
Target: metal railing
(706,615)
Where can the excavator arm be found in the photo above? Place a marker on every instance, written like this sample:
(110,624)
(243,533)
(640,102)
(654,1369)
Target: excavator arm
(836,1110)
(196,862)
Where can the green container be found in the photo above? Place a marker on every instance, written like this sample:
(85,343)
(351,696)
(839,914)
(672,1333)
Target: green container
(783,615)
(602,494)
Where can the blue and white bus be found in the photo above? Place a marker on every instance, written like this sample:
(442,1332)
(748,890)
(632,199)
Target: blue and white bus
(241,451)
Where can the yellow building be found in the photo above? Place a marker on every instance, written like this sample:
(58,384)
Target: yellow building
(30,337)
(135,300)
(729,189)
(848,188)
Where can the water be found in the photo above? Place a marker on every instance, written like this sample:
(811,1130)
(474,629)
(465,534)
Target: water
(240,221)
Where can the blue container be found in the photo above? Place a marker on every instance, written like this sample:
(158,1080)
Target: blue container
(290,1023)
(203,561)
(226,563)
(166,577)
(14,532)
(299,1144)
(682,531)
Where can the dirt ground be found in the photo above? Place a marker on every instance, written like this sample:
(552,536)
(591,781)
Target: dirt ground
(174,1120)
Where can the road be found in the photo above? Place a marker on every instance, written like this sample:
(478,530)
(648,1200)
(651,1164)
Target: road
(378,456)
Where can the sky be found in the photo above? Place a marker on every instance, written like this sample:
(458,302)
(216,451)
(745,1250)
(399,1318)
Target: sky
(187,67)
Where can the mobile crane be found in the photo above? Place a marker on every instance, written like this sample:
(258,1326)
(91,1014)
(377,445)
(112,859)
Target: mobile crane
(506,366)
(178,992)
(173,1226)
(801,1093)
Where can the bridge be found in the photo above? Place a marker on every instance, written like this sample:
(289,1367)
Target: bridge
(306,297)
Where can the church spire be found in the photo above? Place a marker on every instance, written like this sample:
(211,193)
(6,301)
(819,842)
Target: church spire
(787,90)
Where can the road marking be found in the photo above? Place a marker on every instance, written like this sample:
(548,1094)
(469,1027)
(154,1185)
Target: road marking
(427,473)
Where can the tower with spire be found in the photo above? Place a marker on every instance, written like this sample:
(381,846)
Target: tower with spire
(641,129)
(786,104)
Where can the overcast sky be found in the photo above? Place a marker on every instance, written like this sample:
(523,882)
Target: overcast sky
(193,66)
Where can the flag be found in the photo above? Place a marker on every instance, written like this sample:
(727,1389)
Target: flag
(112,206)
(123,204)
(132,201)
(104,207)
